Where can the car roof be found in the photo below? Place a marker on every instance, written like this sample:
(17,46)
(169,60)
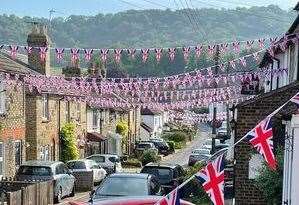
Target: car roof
(132,175)
(81,160)
(104,155)
(167,165)
(40,163)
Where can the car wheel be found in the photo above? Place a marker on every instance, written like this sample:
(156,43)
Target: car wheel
(58,196)
(73,191)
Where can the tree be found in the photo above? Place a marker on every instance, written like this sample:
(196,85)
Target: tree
(69,147)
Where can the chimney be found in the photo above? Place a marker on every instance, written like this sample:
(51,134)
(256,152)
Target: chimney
(38,38)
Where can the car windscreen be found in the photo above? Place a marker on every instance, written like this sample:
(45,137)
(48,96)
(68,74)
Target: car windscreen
(201,151)
(76,165)
(122,186)
(35,170)
(164,174)
(200,157)
(114,159)
(144,146)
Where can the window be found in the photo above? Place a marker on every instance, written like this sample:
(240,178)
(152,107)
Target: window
(1,158)
(67,111)
(292,63)
(2,98)
(59,169)
(45,99)
(95,118)
(18,153)
(35,170)
(78,107)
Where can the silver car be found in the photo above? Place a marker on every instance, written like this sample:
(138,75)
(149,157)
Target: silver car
(110,162)
(64,181)
(83,165)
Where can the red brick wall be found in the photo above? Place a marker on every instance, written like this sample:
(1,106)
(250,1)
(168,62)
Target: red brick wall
(249,113)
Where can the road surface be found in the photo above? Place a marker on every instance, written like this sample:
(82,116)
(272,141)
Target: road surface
(181,156)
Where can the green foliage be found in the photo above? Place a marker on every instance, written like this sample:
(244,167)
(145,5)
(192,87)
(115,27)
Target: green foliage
(177,136)
(179,145)
(149,156)
(122,128)
(193,191)
(270,182)
(171,145)
(152,28)
(68,143)
(132,162)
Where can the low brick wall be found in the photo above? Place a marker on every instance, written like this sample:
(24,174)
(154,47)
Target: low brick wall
(84,181)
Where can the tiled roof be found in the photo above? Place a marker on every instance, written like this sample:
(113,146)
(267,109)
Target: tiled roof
(13,65)
(147,111)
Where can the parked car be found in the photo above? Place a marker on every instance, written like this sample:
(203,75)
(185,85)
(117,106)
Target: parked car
(126,184)
(110,162)
(128,200)
(228,172)
(194,158)
(161,145)
(201,151)
(208,144)
(221,146)
(87,165)
(64,181)
(169,176)
(142,146)
(222,134)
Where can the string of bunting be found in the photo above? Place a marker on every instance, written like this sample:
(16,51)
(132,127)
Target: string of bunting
(212,175)
(104,54)
(193,118)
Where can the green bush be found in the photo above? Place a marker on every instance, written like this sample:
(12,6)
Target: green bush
(179,145)
(149,156)
(122,128)
(270,182)
(177,137)
(132,162)
(68,143)
(171,145)
(193,191)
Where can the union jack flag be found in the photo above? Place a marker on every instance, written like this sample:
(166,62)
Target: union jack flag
(261,138)
(212,179)
(172,198)
(295,99)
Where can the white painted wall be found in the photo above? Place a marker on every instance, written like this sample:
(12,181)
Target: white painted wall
(291,174)
(155,122)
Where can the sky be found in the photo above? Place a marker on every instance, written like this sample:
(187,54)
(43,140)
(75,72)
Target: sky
(64,8)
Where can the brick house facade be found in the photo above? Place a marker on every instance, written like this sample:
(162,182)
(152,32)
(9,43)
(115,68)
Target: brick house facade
(249,113)
(46,113)
(278,90)
(12,118)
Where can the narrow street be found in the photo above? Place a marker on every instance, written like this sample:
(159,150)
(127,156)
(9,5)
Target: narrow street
(181,156)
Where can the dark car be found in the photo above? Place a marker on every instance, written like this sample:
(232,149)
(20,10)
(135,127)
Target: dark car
(64,181)
(222,134)
(127,184)
(162,146)
(194,158)
(228,172)
(169,176)
(129,200)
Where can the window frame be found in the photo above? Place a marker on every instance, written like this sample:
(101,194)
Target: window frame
(45,107)
(67,111)
(95,118)
(20,152)
(2,159)
(78,107)
(3,108)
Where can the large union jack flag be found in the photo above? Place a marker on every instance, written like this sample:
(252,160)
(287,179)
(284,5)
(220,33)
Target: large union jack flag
(261,138)
(172,198)
(212,179)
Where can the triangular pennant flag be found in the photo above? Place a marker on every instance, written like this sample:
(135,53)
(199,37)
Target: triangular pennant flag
(261,138)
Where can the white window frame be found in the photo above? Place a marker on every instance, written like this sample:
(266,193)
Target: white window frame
(45,105)
(2,159)
(3,109)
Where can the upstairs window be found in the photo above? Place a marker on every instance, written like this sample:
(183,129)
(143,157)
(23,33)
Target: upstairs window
(45,99)
(67,112)
(2,98)
(78,108)
(95,117)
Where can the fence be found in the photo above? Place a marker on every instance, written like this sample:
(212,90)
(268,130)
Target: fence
(84,180)
(26,193)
